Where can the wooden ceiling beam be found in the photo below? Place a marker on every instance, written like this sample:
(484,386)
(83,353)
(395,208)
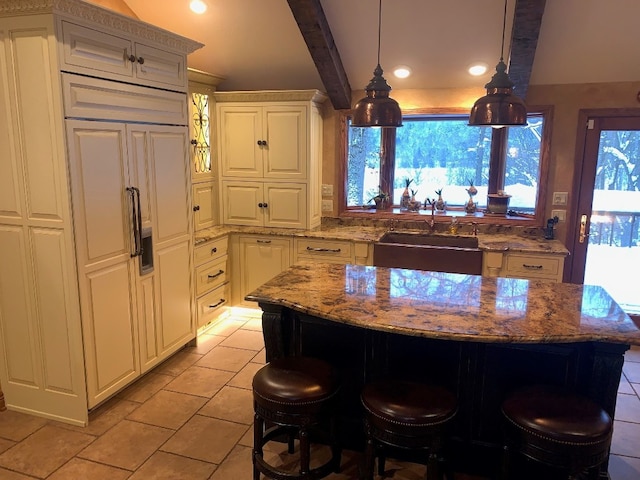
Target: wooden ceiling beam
(315,30)
(527,20)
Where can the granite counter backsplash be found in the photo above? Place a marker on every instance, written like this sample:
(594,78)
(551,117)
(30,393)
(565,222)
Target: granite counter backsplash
(490,237)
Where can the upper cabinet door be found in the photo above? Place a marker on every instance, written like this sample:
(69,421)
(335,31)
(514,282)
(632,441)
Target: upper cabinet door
(92,50)
(159,66)
(285,152)
(241,141)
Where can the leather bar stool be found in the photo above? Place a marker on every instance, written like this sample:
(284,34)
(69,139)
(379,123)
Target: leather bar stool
(556,428)
(406,415)
(295,396)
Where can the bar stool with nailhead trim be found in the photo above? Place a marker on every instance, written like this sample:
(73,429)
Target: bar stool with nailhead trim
(407,415)
(297,395)
(557,428)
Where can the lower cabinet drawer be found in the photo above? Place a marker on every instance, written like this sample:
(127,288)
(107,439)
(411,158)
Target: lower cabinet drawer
(212,304)
(533,266)
(324,250)
(211,275)
(210,250)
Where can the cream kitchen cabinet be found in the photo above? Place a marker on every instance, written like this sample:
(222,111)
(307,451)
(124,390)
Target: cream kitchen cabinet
(332,251)
(542,266)
(204,176)
(264,204)
(204,197)
(256,259)
(212,280)
(78,316)
(270,138)
(119,57)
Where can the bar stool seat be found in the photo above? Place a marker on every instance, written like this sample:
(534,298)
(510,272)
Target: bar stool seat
(407,415)
(557,428)
(295,395)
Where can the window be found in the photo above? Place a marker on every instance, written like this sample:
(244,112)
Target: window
(441,153)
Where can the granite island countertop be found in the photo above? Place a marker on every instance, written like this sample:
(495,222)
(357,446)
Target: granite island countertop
(486,241)
(450,306)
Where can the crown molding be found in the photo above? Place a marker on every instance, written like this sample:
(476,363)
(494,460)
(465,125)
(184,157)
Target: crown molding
(315,96)
(100,16)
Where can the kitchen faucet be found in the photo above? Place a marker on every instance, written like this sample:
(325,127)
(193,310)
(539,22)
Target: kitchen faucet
(432,222)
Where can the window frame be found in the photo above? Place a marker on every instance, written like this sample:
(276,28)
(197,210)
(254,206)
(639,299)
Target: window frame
(497,160)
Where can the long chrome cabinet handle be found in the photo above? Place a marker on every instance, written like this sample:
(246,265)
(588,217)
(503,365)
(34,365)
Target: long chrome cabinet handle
(136,219)
(139,220)
(134,223)
(331,250)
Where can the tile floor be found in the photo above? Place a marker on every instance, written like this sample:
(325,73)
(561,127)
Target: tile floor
(190,419)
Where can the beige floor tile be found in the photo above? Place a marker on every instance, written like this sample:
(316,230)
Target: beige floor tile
(178,363)
(204,438)
(144,388)
(247,438)
(201,381)
(9,475)
(248,339)
(260,357)
(168,409)
(204,343)
(636,388)
(624,468)
(225,358)
(244,378)
(626,439)
(632,371)
(166,466)
(632,355)
(625,386)
(104,417)
(628,409)
(253,324)
(5,444)
(236,465)
(44,451)
(127,445)
(225,327)
(230,403)
(17,426)
(77,468)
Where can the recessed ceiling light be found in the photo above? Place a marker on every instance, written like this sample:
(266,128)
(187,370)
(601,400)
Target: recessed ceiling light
(478,69)
(402,71)
(198,6)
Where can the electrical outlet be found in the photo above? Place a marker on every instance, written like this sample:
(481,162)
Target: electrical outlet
(327,205)
(560,198)
(327,190)
(561,214)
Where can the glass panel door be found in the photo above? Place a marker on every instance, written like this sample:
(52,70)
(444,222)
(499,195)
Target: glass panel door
(613,253)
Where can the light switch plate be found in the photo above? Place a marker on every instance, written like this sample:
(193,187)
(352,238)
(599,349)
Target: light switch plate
(327,190)
(560,198)
(561,214)
(327,205)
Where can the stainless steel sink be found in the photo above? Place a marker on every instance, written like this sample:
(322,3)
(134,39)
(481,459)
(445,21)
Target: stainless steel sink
(405,238)
(421,251)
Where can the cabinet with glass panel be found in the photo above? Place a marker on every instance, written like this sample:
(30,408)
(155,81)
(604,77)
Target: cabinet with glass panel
(202,155)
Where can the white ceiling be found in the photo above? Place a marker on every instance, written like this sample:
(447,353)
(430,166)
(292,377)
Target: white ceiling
(256,44)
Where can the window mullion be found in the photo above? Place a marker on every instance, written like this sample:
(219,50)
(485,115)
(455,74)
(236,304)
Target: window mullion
(498,159)
(387,160)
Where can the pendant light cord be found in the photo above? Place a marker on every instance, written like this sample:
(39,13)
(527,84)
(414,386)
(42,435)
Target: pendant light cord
(504,27)
(380,28)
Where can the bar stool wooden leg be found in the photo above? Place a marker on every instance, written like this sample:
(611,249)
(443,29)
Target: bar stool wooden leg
(258,428)
(3,407)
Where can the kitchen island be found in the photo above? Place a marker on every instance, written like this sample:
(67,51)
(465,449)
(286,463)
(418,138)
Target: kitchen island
(480,336)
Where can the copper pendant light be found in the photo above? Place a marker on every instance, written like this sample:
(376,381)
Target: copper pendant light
(377,109)
(499,107)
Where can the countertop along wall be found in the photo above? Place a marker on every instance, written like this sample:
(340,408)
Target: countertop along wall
(566,100)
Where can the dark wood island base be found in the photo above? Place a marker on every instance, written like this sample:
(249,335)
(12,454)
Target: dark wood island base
(481,337)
